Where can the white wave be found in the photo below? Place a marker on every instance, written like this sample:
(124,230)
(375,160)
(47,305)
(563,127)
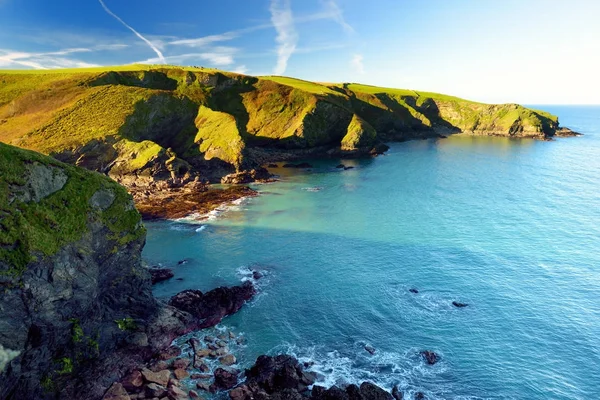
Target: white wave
(313,189)
(408,370)
(202,227)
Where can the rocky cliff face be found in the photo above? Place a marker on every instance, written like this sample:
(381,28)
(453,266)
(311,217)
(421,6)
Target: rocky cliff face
(170,127)
(77,311)
(70,273)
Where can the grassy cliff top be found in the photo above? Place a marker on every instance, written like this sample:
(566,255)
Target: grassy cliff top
(45,205)
(196,113)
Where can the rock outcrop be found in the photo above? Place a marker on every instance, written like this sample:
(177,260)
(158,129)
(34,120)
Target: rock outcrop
(77,311)
(283,377)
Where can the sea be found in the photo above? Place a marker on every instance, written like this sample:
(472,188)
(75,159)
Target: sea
(510,227)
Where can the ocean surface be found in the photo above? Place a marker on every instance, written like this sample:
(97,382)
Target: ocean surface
(511,227)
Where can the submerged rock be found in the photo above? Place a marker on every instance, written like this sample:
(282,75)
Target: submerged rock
(396,393)
(370,349)
(413,290)
(430,357)
(160,274)
(459,304)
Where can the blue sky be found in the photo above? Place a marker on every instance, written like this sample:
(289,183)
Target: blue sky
(526,51)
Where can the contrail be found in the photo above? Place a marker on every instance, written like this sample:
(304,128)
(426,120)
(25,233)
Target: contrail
(149,43)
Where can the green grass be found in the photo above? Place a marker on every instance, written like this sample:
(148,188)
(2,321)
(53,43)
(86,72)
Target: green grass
(29,230)
(307,86)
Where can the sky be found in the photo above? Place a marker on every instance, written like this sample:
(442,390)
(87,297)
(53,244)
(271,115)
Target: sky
(495,51)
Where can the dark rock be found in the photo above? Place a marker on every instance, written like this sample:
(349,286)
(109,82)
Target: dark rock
(228,360)
(225,379)
(289,165)
(160,274)
(419,396)
(256,275)
(258,174)
(340,166)
(396,393)
(273,374)
(209,339)
(154,390)
(354,393)
(133,382)
(370,349)
(335,393)
(318,392)
(379,149)
(304,165)
(116,392)
(374,392)
(347,168)
(458,304)
(430,357)
(241,393)
(272,165)
(211,307)
(182,262)
(171,352)
(413,290)
(195,344)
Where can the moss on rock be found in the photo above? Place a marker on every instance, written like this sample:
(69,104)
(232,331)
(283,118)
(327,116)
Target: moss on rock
(38,226)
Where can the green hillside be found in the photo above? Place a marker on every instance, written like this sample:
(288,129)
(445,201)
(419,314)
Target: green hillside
(138,119)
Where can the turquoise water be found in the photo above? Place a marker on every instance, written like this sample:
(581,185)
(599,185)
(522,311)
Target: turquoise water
(511,227)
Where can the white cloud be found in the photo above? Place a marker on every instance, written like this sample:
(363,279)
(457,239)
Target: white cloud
(240,69)
(358,63)
(205,41)
(149,43)
(219,56)
(334,12)
(287,37)
(13,59)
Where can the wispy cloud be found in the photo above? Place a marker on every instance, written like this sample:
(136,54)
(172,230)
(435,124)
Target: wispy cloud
(357,63)
(149,43)
(287,37)
(219,56)
(205,40)
(12,59)
(334,12)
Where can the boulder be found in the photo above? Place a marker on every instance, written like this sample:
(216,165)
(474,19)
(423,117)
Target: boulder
(160,378)
(116,392)
(374,392)
(228,360)
(153,390)
(413,290)
(370,349)
(459,304)
(225,379)
(430,357)
(180,373)
(273,374)
(396,393)
(160,274)
(133,382)
(211,307)
(176,393)
(241,393)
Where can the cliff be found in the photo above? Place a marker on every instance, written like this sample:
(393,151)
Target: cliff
(150,127)
(77,311)
(70,272)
